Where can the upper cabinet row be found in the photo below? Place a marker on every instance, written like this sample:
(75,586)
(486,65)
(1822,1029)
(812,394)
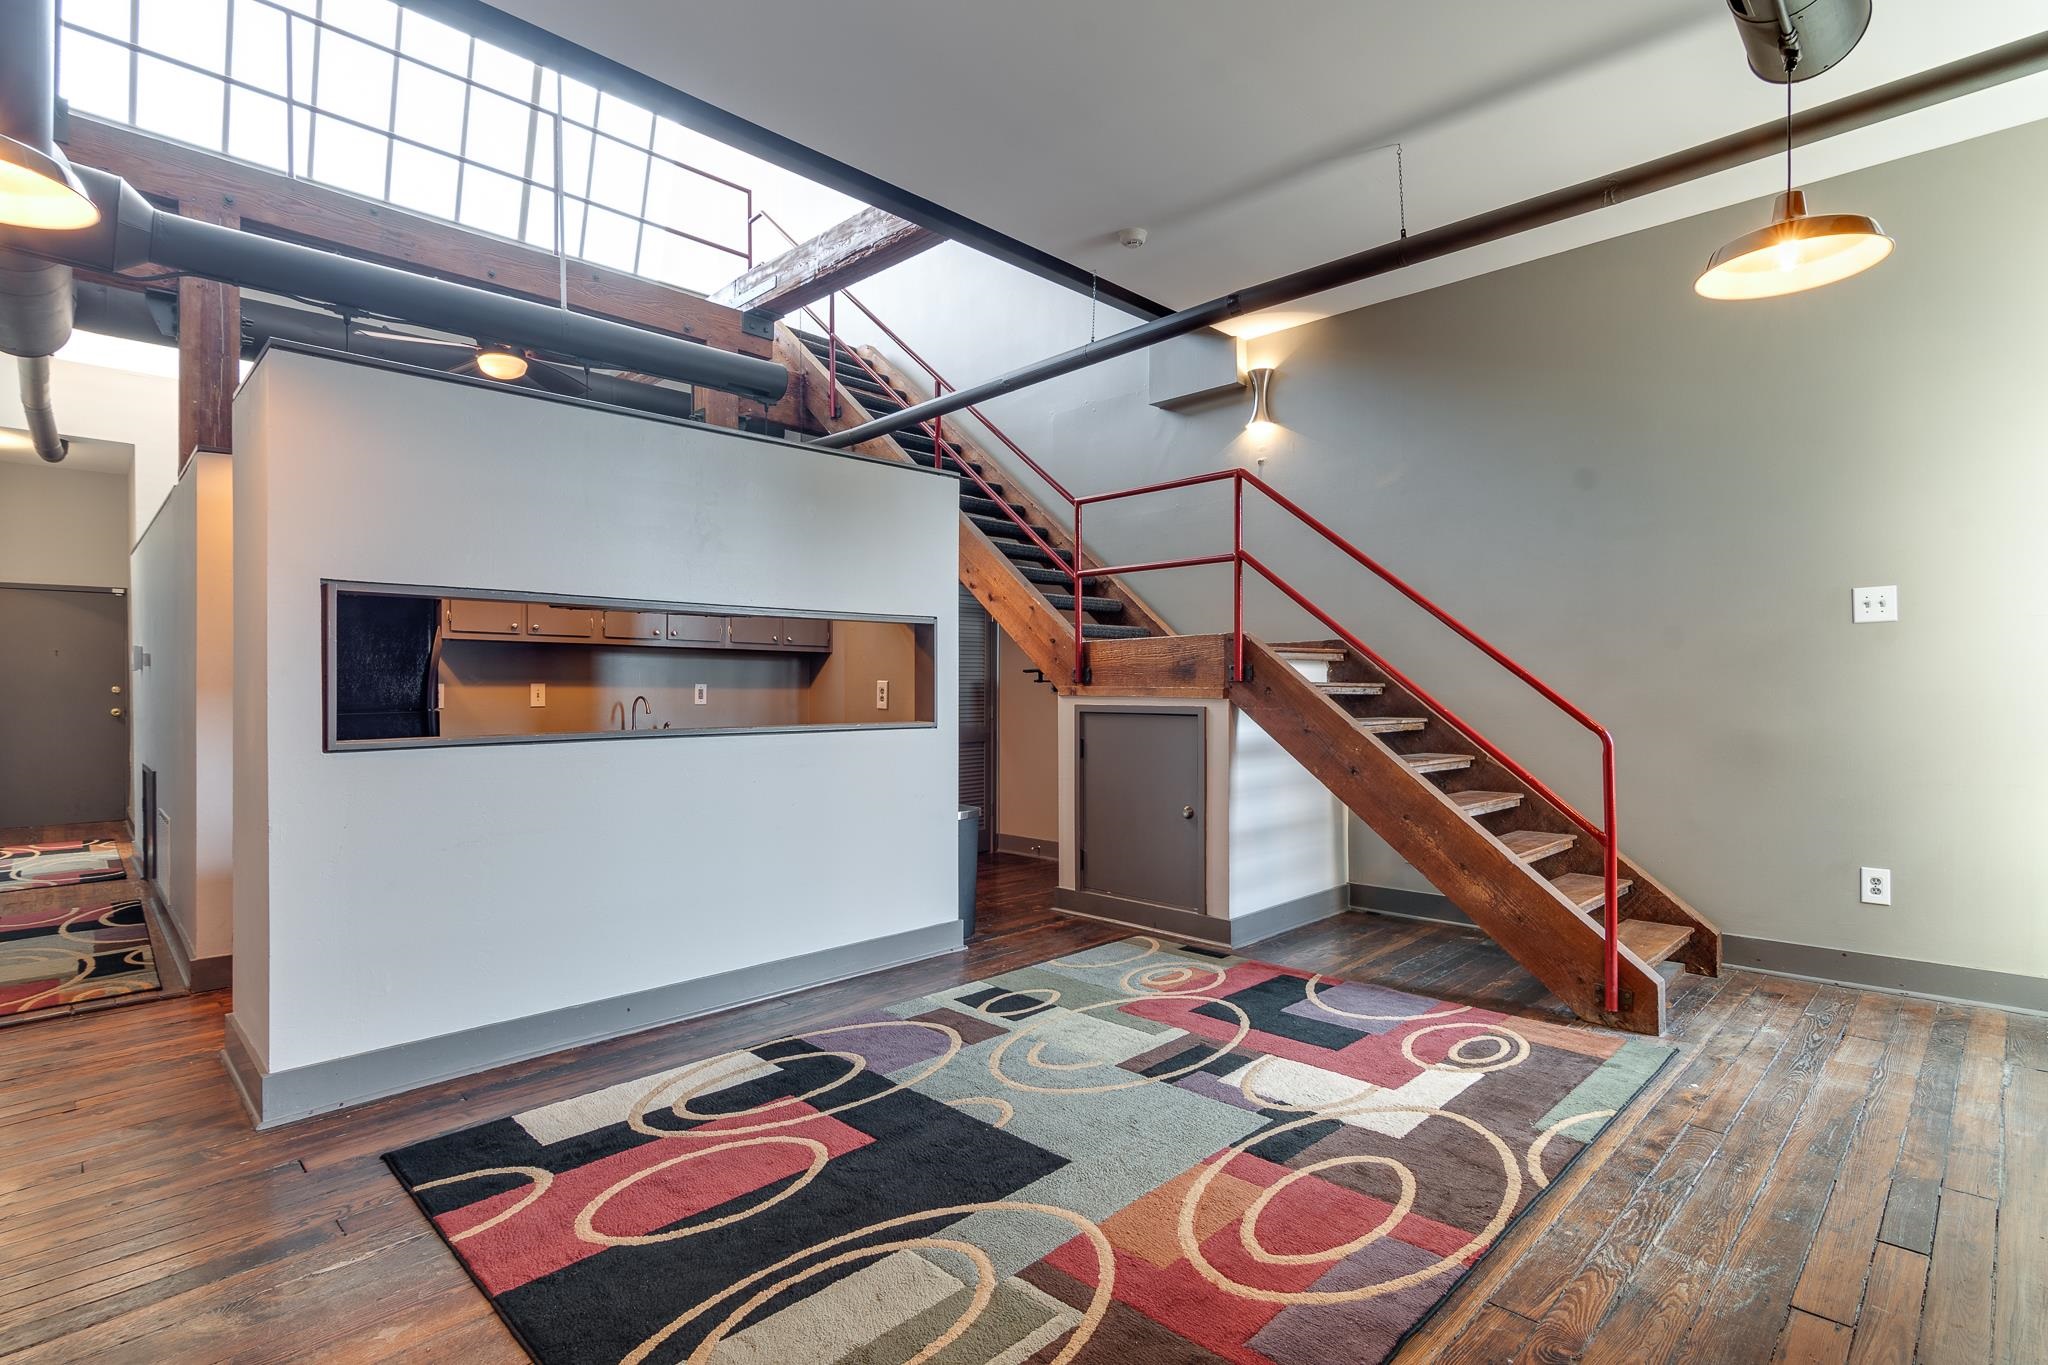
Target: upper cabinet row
(473,618)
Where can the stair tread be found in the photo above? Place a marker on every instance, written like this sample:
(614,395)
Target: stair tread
(1003,527)
(1090,631)
(1096,606)
(1391,725)
(1046,574)
(1532,844)
(974,502)
(1652,941)
(1352,689)
(1328,652)
(1436,763)
(1587,891)
(1486,803)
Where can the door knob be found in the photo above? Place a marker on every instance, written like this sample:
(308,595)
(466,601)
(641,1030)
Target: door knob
(114,711)
(115,689)
(1187,812)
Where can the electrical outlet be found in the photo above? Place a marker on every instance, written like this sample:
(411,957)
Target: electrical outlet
(881,694)
(537,694)
(1874,604)
(440,696)
(1877,886)
(703,694)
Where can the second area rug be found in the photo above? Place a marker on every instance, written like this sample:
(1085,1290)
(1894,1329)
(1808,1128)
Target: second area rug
(65,955)
(1144,1152)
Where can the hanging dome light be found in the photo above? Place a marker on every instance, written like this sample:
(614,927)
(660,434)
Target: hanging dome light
(1796,252)
(40,190)
(501,363)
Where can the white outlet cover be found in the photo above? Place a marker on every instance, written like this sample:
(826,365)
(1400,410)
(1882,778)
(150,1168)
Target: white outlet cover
(881,694)
(703,694)
(1867,605)
(1877,886)
(537,694)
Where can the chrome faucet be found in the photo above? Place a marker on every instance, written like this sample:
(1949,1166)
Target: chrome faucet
(639,702)
(619,713)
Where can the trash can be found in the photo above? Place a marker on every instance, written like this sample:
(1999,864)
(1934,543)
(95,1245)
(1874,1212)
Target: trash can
(970,857)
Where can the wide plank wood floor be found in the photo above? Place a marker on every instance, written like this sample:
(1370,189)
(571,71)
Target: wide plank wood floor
(1825,1174)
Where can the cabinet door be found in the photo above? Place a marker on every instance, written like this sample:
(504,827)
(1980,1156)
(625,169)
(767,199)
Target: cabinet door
(478,616)
(689,629)
(560,623)
(806,632)
(635,625)
(757,630)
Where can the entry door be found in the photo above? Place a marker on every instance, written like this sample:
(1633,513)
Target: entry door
(63,706)
(978,714)
(1141,819)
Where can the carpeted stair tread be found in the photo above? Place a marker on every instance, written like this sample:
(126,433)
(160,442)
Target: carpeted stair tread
(1094,606)
(1004,528)
(1049,576)
(1090,631)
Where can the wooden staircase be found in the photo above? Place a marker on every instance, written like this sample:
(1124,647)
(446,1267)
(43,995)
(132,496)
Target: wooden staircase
(1513,861)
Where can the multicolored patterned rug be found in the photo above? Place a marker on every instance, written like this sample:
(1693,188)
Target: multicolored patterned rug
(26,865)
(60,956)
(1143,1152)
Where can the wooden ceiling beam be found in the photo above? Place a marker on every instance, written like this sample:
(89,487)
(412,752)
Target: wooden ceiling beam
(277,205)
(866,244)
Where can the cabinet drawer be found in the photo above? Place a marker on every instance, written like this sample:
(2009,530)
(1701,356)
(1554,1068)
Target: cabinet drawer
(480,616)
(560,623)
(806,632)
(757,630)
(687,628)
(635,625)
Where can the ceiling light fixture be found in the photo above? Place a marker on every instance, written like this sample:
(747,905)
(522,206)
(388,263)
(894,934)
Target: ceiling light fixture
(1796,252)
(501,363)
(1262,412)
(40,190)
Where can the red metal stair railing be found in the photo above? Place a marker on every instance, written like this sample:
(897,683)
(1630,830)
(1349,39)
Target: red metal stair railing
(1240,559)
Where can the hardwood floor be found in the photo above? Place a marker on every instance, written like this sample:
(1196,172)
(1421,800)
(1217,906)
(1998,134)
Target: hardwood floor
(1825,1174)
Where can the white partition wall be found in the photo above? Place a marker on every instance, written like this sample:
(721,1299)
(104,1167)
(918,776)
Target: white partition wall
(407,914)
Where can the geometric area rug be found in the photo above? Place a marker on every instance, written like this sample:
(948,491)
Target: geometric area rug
(29,865)
(1143,1152)
(62,955)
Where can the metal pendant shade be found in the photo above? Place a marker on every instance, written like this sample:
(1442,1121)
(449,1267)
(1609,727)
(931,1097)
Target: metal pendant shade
(39,189)
(1796,252)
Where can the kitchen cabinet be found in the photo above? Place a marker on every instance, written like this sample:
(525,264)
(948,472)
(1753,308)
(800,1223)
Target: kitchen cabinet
(544,622)
(806,632)
(756,632)
(636,625)
(479,616)
(781,632)
(691,629)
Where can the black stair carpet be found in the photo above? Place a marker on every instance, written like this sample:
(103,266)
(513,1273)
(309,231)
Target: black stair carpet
(991,516)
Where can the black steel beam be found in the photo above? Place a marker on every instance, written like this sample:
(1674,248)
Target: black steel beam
(1985,69)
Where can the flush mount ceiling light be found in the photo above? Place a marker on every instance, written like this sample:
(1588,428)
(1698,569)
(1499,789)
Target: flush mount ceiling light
(40,190)
(501,363)
(1262,413)
(1796,251)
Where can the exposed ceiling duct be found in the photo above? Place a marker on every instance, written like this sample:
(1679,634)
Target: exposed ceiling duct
(153,317)
(1796,40)
(35,295)
(133,232)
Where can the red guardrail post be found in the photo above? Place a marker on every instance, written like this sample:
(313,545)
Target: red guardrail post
(1237,578)
(1080,640)
(1613,876)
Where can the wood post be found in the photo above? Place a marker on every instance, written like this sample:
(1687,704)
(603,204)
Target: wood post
(209,352)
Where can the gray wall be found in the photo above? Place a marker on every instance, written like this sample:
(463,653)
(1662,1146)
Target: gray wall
(1661,505)
(63,526)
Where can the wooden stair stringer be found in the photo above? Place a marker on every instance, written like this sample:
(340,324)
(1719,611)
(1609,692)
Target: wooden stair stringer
(1015,603)
(1647,899)
(1137,611)
(1510,902)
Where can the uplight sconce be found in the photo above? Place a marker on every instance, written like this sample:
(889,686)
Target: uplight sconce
(1262,412)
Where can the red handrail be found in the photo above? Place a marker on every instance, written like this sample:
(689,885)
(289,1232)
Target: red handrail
(1239,558)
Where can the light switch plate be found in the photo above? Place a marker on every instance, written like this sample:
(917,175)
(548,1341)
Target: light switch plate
(537,694)
(702,697)
(1874,604)
(881,694)
(1877,886)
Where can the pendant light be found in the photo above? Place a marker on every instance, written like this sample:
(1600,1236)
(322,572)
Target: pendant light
(501,363)
(1797,251)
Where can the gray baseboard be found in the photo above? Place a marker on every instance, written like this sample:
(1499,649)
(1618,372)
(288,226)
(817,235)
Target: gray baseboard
(281,1097)
(1200,928)
(1971,985)
(1024,846)
(188,973)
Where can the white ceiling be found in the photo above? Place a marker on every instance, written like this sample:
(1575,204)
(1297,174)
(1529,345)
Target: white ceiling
(1249,140)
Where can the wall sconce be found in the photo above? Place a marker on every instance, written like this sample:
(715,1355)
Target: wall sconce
(1262,413)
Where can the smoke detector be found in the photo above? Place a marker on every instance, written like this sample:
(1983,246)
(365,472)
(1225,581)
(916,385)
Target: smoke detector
(1132,237)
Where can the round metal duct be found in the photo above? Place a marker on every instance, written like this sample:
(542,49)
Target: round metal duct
(1825,31)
